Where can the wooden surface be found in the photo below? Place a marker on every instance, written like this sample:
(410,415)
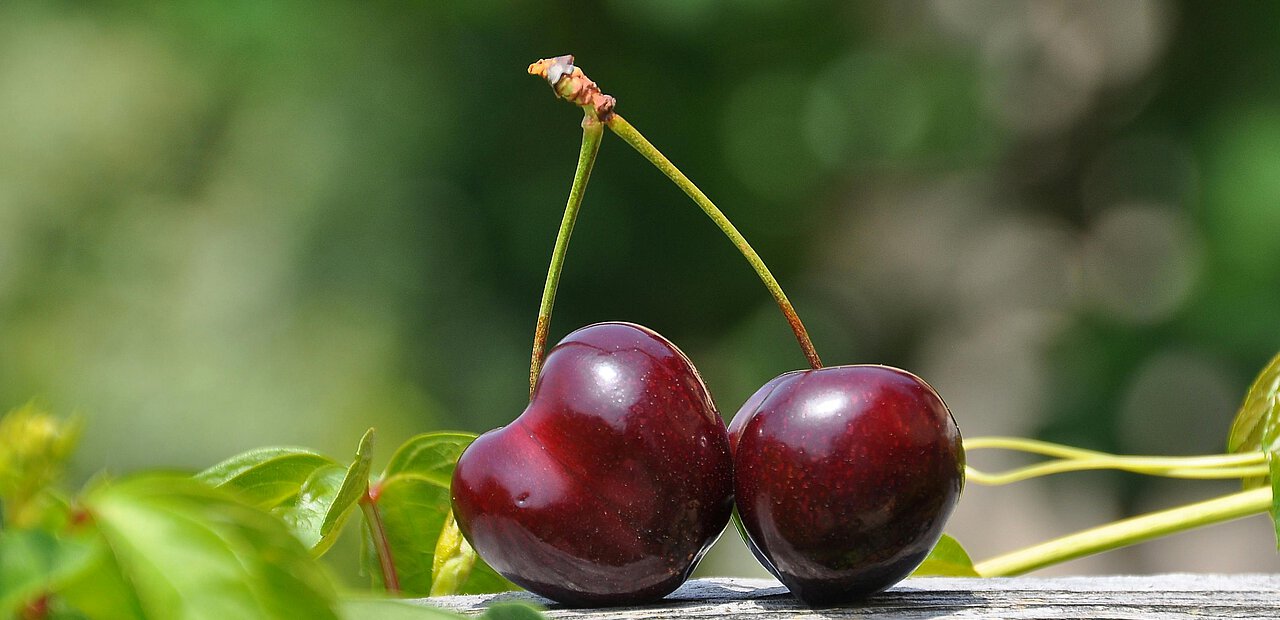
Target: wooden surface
(1150,596)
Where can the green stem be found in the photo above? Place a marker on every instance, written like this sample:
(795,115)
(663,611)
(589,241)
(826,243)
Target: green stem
(1127,532)
(1117,463)
(592,131)
(1068,458)
(629,134)
(1033,446)
(381,545)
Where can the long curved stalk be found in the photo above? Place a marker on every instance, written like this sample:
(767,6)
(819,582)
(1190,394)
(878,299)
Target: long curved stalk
(631,136)
(592,131)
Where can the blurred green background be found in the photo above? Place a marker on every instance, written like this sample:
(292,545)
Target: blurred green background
(226,224)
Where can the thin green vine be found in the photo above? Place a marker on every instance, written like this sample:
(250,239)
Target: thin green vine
(1126,531)
(1068,459)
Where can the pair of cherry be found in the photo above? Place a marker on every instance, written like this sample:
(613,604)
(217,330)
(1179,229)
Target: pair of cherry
(620,475)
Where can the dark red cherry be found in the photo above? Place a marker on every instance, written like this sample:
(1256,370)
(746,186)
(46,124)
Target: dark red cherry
(844,478)
(614,481)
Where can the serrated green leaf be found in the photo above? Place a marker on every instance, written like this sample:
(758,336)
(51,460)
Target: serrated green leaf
(947,559)
(453,561)
(413,501)
(391,609)
(187,550)
(34,562)
(266,477)
(1257,424)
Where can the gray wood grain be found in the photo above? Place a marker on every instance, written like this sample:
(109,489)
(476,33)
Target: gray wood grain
(1176,596)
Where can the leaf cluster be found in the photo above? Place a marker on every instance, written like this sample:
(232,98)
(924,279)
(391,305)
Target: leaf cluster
(1257,428)
(241,539)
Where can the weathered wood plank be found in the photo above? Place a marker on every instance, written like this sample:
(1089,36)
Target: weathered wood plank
(1175,596)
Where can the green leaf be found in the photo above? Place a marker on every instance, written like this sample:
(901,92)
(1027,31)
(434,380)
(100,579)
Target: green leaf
(485,580)
(453,559)
(947,559)
(413,501)
(354,484)
(185,550)
(430,455)
(392,609)
(512,611)
(101,592)
(324,501)
(266,477)
(309,492)
(35,562)
(1257,424)
(306,512)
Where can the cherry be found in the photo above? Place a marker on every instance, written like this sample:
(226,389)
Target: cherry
(844,478)
(612,484)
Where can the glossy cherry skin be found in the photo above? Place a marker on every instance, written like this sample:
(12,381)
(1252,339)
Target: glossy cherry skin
(844,478)
(612,484)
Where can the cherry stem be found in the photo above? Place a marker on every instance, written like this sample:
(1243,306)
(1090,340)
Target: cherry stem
(1127,532)
(637,141)
(571,84)
(381,546)
(592,131)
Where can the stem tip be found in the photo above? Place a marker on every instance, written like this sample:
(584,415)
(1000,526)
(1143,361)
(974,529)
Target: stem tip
(571,84)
